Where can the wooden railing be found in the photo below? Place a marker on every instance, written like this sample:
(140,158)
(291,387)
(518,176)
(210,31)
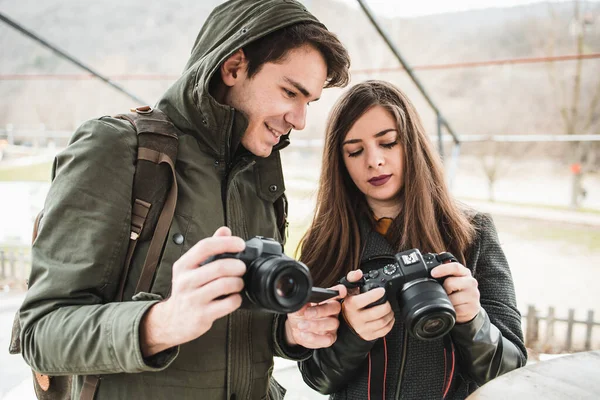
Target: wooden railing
(15,265)
(549,339)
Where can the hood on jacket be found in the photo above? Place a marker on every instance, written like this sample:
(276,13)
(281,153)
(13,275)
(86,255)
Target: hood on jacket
(231,26)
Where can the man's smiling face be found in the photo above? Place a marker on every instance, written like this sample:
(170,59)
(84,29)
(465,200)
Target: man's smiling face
(275,99)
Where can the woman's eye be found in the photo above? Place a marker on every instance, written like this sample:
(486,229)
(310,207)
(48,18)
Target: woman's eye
(355,153)
(389,145)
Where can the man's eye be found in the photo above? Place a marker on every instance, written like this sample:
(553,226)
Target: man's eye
(389,145)
(355,153)
(289,93)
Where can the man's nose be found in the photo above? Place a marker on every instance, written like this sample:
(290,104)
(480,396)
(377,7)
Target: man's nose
(297,117)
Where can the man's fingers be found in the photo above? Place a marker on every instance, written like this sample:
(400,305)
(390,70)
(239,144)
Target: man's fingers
(314,341)
(221,287)
(323,310)
(217,269)
(208,247)
(322,325)
(219,308)
(342,290)
(222,231)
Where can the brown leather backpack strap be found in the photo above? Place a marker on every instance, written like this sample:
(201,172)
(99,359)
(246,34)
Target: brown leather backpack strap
(90,385)
(36,225)
(163,224)
(42,380)
(139,213)
(155,174)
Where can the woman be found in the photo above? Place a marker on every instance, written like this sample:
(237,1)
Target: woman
(382,191)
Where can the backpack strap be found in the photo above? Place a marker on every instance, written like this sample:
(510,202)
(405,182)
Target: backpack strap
(162,227)
(154,189)
(154,200)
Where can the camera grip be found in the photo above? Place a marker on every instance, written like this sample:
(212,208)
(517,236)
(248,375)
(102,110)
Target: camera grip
(445,258)
(352,285)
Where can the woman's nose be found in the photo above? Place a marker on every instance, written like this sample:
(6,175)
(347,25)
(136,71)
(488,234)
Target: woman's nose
(375,159)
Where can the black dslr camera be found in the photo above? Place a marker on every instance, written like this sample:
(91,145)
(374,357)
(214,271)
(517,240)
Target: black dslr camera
(410,289)
(274,282)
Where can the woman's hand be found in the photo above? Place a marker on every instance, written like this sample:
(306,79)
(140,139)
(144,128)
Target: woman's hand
(369,323)
(461,288)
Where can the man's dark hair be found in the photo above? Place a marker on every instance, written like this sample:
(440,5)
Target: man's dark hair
(275,46)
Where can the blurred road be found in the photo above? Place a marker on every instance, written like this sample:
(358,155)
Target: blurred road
(13,369)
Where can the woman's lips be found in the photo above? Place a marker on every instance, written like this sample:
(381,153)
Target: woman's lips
(380,180)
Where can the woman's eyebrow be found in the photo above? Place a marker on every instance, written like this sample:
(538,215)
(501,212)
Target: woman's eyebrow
(383,132)
(378,134)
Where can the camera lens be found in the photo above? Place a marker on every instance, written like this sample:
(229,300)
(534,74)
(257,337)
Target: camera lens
(427,310)
(277,284)
(432,326)
(286,286)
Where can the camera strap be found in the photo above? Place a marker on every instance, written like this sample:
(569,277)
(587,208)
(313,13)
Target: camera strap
(378,362)
(378,370)
(449,364)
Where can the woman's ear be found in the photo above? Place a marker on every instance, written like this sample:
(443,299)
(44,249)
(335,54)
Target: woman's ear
(234,68)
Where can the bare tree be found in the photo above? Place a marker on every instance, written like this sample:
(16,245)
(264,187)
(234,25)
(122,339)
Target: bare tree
(491,163)
(497,159)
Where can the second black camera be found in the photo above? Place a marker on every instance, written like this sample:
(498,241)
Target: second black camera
(424,305)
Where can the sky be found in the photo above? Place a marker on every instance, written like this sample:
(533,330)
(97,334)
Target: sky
(415,8)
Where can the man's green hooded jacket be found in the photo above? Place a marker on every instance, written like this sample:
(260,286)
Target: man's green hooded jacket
(69,324)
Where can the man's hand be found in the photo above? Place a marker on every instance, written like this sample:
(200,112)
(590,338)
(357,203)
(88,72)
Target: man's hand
(369,323)
(194,303)
(315,325)
(461,288)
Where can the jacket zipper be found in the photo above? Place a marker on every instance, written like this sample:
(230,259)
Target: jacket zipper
(402,363)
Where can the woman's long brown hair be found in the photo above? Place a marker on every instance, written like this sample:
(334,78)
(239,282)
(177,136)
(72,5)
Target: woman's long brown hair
(429,220)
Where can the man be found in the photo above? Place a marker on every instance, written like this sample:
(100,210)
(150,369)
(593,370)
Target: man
(255,67)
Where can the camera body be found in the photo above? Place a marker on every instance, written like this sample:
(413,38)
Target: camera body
(410,289)
(274,282)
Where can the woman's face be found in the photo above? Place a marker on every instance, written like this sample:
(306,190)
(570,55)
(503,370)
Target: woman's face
(374,158)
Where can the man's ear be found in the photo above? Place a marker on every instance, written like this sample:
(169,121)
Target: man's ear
(234,68)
